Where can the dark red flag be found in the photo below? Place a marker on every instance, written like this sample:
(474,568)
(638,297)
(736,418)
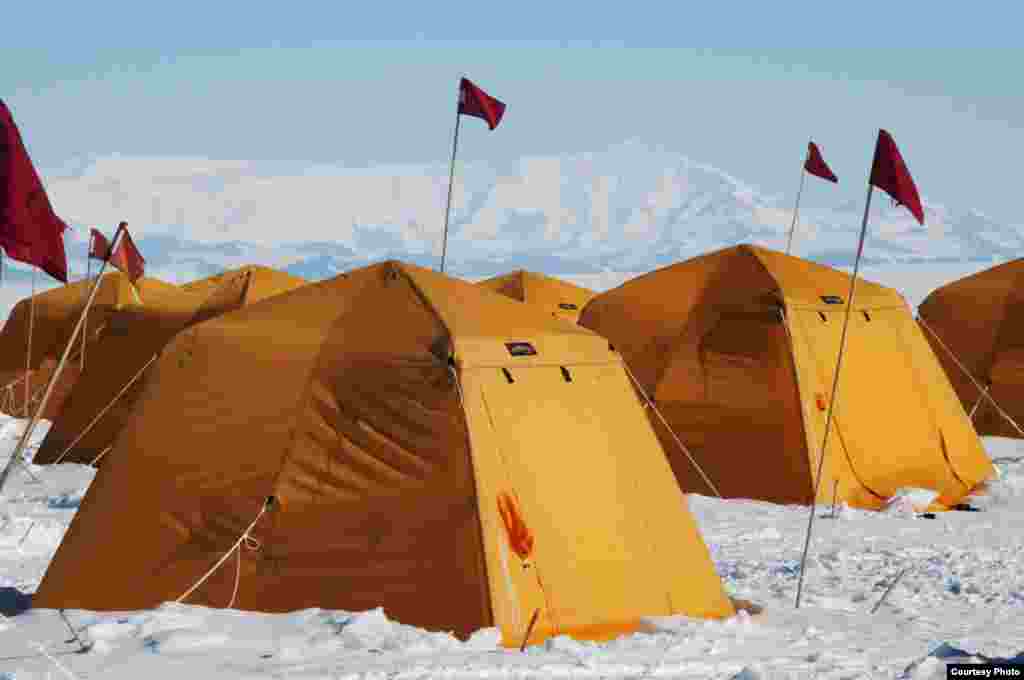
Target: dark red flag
(99,246)
(127,257)
(890,174)
(475,102)
(817,166)
(30,231)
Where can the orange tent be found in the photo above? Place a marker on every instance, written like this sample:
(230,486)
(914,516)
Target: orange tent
(979,320)
(416,433)
(264,282)
(738,348)
(563,299)
(53,315)
(102,399)
(55,312)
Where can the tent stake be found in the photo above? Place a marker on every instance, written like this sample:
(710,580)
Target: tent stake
(835,489)
(889,590)
(529,629)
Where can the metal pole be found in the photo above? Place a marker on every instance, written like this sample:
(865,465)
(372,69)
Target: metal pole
(16,456)
(451,181)
(28,355)
(835,395)
(796,210)
(85,324)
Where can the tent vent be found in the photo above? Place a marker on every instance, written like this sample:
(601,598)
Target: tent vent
(565,374)
(832,299)
(866,316)
(520,349)
(823,317)
(508,375)
(567,305)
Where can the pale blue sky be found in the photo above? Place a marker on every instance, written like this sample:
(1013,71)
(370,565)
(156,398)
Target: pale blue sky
(373,83)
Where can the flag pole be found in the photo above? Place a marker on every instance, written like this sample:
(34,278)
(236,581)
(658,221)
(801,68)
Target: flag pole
(451,181)
(835,394)
(28,355)
(16,456)
(796,210)
(85,324)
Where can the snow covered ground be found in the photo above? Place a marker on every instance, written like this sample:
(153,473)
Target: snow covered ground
(963,589)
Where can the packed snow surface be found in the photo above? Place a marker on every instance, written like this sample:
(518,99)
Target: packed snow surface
(962,592)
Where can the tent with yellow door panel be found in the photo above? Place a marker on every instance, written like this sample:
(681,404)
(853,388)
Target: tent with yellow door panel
(978,323)
(562,299)
(416,433)
(102,399)
(738,347)
(50,318)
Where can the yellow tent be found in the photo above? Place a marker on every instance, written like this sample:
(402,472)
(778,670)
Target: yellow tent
(563,299)
(738,349)
(53,314)
(416,433)
(264,282)
(102,399)
(979,320)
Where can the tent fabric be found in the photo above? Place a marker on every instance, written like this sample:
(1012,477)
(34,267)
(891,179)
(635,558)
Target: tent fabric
(57,311)
(563,299)
(980,319)
(738,348)
(395,485)
(125,347)
(264,282)
(12,389)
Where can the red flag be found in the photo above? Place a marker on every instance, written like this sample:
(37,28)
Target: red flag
(889,173)
(99,246)
(817,166)
(127,257)
(475,102)
(29,229)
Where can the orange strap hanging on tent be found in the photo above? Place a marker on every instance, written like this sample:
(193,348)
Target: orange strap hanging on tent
(519,536)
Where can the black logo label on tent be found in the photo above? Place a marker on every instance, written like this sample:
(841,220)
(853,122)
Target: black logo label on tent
(520,349)
(567,305)
(832,299)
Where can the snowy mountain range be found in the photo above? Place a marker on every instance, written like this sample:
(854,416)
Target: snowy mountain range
(629,208)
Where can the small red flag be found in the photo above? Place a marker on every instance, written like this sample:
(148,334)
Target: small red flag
(475,102)
(99,246)
(127,257)
(30,231)
(890,174)
(816,165)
